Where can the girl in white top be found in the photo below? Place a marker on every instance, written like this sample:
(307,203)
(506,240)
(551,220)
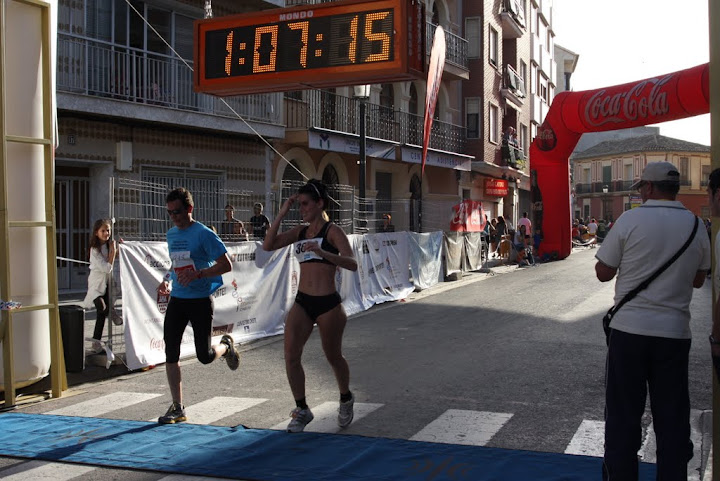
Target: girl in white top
(102,255)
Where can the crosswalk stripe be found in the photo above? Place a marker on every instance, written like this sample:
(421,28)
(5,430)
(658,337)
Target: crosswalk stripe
(589,439)
(216,408)
(325,420)
(103,404)
(456,426)
(40,470)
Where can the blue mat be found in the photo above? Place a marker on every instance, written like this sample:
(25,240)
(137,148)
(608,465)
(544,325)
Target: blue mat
(267,455)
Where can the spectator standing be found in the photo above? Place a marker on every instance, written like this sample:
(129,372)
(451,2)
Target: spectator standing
(199,259)
(387,225)
(649,337)
(229,227)
(102,256)
(524,220)
(259,222)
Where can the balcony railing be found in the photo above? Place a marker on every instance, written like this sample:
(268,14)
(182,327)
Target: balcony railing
(512,155)
(516,10)
(323,109)
(456,48)
(513,82)
(91,67)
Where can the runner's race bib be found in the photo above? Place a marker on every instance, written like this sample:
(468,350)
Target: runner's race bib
(304,255)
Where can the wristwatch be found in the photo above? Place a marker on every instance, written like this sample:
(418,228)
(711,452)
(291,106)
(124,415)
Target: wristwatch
(713,340)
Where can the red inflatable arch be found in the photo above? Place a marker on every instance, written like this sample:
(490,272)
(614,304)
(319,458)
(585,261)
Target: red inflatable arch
(659,99)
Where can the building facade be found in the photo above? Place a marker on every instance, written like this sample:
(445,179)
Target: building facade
(512,82)
(131,126)
(604,173)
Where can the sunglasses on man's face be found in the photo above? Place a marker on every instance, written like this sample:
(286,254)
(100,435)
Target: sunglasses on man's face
(175,211)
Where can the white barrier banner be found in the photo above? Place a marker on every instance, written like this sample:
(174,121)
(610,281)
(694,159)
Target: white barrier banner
(383,267)
(251,304)
(425,258)
(256,294)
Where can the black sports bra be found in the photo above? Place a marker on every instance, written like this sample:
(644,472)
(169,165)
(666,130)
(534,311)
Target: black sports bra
(325,245)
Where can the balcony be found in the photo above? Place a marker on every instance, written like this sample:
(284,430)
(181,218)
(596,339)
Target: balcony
(456,53)
(512,14)
(621,186)
(513,155)
(142,81)
(513,87)
(326,110)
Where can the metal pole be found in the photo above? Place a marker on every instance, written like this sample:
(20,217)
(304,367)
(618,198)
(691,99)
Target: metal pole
(362,153)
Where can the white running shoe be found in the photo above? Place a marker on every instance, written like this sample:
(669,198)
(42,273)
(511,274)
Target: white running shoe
(300,419)
(346,413)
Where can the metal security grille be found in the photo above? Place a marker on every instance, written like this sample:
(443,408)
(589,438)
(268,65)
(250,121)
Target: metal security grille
(341,209)
(140,209)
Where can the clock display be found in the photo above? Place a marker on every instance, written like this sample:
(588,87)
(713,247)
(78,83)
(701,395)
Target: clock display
(337,43)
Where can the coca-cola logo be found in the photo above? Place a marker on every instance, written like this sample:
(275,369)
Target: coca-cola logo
(546,138)
(294,282)
(157,345)
(638,102)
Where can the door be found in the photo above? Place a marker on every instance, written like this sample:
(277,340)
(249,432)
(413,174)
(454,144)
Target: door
(72,231)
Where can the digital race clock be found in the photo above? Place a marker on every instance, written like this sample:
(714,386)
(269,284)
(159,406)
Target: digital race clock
(311,46)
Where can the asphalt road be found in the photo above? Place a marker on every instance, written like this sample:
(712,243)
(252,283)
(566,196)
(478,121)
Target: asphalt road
(526,343)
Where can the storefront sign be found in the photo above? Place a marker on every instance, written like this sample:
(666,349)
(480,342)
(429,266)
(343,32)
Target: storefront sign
(496,187)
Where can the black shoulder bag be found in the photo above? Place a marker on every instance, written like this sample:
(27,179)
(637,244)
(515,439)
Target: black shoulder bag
(611,312)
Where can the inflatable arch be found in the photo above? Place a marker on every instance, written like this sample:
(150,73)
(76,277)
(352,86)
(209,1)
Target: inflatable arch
(677,95)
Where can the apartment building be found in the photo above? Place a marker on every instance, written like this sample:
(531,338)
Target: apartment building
(323,138)
(604,173)
(131,125)
(511,85)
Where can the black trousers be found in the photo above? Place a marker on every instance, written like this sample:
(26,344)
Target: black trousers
(102,304)
(634,365)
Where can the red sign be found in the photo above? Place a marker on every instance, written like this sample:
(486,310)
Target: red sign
(468,217)
(496,187)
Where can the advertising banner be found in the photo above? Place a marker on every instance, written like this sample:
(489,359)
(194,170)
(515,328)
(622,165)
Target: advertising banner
(425,258)
(256,294)
(251,304)
(468,217)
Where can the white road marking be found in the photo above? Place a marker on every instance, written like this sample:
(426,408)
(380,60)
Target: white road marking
(455,426)
(40,470)
(589,439)
(325,420)
(104,404)
(216,408)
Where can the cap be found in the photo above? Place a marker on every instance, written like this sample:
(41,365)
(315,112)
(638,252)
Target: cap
(658,172)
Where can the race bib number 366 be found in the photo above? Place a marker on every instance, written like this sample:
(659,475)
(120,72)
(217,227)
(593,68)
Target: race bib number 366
(301,252)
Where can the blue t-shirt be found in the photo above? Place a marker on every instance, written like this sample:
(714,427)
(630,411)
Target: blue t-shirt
(195,247)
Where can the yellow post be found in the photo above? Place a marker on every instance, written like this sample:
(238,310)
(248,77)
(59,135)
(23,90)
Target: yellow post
(714,16)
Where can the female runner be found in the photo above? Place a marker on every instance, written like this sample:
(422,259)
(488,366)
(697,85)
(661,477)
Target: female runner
(321,247)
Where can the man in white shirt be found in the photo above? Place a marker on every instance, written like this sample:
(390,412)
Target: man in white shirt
(649,340)
(592,227)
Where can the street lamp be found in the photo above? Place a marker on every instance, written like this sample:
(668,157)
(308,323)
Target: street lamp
(362,93)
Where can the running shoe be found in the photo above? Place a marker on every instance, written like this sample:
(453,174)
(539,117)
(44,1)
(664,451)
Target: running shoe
(175,414)
(346,413)
(232,356)
(300,419)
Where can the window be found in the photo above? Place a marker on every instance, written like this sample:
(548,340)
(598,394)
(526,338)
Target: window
(493,47)
(493,120)
(472,118)
(523,73)
(473,34)
(524,138)
(684,171)
(705,175)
